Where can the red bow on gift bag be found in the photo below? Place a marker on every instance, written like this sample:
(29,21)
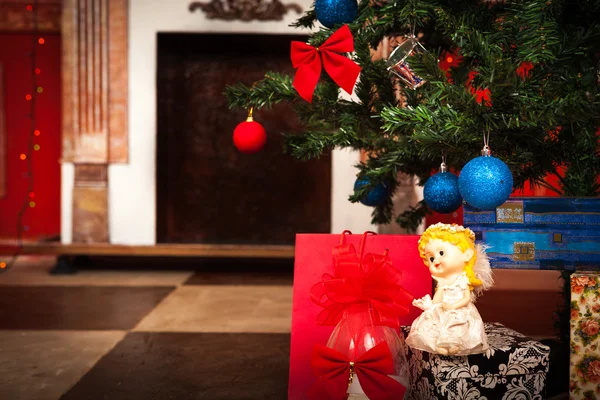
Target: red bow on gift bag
(335,372)
(307,59)
(370,282)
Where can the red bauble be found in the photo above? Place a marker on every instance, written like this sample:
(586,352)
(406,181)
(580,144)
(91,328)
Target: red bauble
(249,137)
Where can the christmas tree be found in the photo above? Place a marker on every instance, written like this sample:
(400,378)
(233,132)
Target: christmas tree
(523,73)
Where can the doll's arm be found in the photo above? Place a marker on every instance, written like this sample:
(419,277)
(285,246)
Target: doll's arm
(460,303)
(424,303)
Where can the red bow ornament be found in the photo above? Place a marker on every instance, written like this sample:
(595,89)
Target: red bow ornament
(307,59)
(369,283)
(335,372)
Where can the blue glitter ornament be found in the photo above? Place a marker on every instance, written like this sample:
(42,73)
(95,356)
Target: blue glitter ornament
(336,12)
(441,192)
(485,182)
(376,196)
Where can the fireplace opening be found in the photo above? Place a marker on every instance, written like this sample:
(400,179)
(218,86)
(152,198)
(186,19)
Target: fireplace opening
(207,191)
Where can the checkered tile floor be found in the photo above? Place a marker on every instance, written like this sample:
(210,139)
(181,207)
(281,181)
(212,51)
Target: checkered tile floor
(218,331)
(143,334)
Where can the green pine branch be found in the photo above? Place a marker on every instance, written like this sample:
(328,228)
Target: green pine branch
(539,124)
(273,89)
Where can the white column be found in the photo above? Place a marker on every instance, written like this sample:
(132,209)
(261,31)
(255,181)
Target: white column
(344,214)
(67,178)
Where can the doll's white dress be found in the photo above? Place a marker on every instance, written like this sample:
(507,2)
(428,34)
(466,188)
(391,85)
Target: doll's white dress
(462,328)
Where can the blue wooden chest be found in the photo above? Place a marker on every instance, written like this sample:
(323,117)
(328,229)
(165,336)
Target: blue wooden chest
(540,233)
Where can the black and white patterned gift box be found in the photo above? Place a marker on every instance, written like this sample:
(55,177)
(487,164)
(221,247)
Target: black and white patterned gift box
(514,367)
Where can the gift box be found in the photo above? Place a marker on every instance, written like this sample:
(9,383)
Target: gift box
(514,367)
(313,261)
(540,233)
(585,332)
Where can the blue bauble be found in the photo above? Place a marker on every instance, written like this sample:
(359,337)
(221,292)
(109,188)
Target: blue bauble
(336,12)
(485,182)
(376,196)
(441,193)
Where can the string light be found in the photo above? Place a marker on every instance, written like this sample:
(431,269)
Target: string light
(31,98)
(36,147)
(449,59)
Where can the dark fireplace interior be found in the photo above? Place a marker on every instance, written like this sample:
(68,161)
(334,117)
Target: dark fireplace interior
(207,191)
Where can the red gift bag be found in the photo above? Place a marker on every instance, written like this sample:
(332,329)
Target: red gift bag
(313,260)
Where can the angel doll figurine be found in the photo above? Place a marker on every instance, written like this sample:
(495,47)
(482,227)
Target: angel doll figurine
(450,324)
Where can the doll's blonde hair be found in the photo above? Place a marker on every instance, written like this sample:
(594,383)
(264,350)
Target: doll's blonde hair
(462,237)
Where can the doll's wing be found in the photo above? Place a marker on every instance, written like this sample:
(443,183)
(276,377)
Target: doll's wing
(482,269)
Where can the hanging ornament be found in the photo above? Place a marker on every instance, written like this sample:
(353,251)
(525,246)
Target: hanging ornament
(336,12)
(485,182)
(249,136)
(523,69)
(398,62)
(375,196)
(307,59)
(482,95)
(450,59)
(441,191)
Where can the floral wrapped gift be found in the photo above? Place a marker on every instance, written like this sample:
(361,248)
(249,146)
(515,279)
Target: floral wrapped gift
(364,356)
(513,367)
(585,332)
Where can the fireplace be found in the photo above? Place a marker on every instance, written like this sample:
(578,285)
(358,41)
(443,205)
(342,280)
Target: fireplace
(207,191)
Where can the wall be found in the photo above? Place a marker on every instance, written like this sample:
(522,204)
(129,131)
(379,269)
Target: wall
(132,190)
(132,186)
(43,220)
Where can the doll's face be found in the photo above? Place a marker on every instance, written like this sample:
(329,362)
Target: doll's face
(446,259)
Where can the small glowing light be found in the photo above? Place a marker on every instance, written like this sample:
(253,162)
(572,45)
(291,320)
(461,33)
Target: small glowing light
(449,59)
(28,96)
(37,132)
(40,89)
(36,147)
(29,7)
(31,195)
(41,40)
(32,204)
(23,156)
(2,265)
(38,71)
